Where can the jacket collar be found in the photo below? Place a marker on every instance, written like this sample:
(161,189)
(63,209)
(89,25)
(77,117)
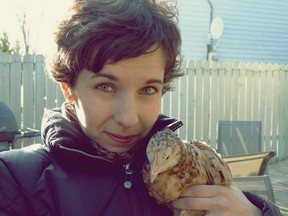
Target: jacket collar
(66,140)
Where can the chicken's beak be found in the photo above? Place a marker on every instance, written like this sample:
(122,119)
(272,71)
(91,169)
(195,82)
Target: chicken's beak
(153,176)
(154,172)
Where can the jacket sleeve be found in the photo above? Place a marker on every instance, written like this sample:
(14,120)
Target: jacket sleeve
(12,199)
(19,173)
(268,208)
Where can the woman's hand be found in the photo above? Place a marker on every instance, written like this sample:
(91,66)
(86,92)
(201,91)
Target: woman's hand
(216,200)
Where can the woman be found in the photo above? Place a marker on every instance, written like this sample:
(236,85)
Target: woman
(115,59)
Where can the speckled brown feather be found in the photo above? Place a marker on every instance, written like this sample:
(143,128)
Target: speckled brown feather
(197,163)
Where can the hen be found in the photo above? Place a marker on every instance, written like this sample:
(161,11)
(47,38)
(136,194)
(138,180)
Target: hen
(173,165)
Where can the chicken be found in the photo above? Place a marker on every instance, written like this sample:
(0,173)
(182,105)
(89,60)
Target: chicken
(174,164)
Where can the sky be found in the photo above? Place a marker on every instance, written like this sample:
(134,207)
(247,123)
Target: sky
(42,17)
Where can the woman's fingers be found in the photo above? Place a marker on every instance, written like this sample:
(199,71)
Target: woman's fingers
(200,197)
(203,191)
(193,203)
(216,200)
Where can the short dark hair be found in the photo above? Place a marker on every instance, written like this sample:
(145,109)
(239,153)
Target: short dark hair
(97,31)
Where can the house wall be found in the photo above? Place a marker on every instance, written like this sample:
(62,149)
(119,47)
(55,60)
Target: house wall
(194,23)
(254,30)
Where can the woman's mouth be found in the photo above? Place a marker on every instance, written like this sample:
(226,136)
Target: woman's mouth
(121,139)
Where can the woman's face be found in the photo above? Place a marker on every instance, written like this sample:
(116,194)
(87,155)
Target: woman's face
(118,106)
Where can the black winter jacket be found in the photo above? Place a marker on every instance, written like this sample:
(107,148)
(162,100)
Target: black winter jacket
(63,177)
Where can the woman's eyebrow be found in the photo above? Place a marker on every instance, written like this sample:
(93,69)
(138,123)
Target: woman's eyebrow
(158,81)
(113,78)
(108,76)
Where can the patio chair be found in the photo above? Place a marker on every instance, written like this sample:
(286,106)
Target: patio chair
(239,137)
(250,172)
(9,132)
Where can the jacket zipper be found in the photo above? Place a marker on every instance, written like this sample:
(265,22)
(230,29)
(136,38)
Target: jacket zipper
(128,177)
(84,153)
(128,170)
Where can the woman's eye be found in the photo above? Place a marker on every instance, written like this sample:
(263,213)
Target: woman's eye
(149,90)
(105,88)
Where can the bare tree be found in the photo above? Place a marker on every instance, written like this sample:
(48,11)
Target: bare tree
(22,18)
(26,18)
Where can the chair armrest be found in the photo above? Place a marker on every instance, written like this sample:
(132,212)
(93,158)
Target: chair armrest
(249,164)
(265,162)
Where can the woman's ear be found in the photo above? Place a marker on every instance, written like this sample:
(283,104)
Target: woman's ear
(67,92)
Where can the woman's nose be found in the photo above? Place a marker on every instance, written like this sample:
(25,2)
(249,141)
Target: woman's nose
(126,111)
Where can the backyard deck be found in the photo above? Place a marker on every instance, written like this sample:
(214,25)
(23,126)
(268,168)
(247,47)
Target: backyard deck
(279,177)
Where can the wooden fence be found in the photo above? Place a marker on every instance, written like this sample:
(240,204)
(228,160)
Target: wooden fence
(214,91)
(209,92)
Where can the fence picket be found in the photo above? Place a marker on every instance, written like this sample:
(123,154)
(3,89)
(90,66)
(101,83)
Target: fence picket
(235,91)
(249,92)
(199,99)
(39,89)
(165,105)
(28,91)
(282,102)
(241,91)
(268,105)
(190,126)
(275,115)
(263,95)
(221,91)
(28,96)
(15,88)
(213,103)
(256,92)
(4,77)
(182,102)
(59,96)
(50,94)
(205,101)
(228,92)
(174,103)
